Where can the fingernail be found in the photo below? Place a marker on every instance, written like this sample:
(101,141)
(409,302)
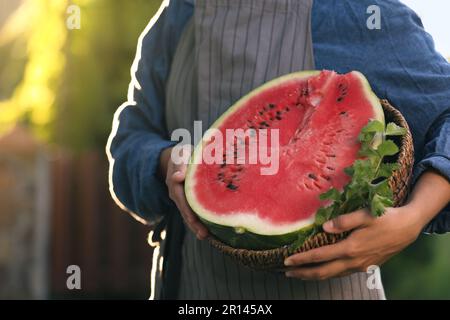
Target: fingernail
(288,262)
(328,224)
(289,274)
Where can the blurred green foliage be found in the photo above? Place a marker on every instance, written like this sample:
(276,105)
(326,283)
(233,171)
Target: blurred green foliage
(64,83)
(97,73)
(91,80)
(33,37)
(422,271)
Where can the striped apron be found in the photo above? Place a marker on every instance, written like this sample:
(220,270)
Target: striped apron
(227,49)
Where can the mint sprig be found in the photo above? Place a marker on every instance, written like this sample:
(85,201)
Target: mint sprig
(368,187)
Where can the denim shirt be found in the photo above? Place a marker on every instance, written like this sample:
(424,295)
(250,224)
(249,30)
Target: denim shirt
(399,60)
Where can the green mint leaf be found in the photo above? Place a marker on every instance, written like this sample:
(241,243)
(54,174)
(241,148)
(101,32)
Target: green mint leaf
(394,130)
(363,170)
(387,148)
(386,192)
(332,194)
(367,151)
(302,237)
(366,137)
(373,126)
(386,169)
(381,188)
(349,171)
(378,205)
(323,215)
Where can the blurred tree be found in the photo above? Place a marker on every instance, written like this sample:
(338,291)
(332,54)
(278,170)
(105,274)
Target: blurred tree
(35,33)
(99,57)
(65,83)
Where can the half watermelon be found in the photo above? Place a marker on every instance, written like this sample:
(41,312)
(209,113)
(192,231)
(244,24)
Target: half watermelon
(318,116)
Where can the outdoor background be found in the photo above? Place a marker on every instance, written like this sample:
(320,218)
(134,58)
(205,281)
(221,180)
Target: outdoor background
(59,89)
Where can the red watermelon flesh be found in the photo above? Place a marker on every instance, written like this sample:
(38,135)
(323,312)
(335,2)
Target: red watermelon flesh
(318,116)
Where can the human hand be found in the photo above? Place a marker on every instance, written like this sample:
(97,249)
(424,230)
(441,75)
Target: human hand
(175,173)
(371,242)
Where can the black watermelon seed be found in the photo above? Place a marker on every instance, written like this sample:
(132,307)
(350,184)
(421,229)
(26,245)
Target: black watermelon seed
(343,112)
(231,186)
(331,168)
(261,113)
(340,99)
(278,117)
(271,105)
(223,165)
(287,109)
(312,176)
(278,112)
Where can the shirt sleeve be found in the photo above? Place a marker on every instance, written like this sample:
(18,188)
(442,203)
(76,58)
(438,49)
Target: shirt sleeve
(437,158)
(401,63)
(427,80)
(139,133)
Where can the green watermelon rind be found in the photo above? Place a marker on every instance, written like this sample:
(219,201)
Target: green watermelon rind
(263,236)
(252,241)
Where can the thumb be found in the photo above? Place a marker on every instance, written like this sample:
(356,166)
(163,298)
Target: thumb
(179,175)
(348,222)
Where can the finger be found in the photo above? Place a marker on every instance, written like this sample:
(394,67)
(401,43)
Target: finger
(321,272)
(348,222)
(322,254)
(189,216)
(179,174)
(194,225)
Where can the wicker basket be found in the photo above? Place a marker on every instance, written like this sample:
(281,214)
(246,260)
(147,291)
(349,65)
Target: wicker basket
(399,183)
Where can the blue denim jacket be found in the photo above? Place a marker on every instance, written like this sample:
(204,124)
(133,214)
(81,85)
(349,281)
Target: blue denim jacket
(399,60)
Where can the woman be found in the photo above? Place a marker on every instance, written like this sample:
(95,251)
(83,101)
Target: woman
(199,56)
